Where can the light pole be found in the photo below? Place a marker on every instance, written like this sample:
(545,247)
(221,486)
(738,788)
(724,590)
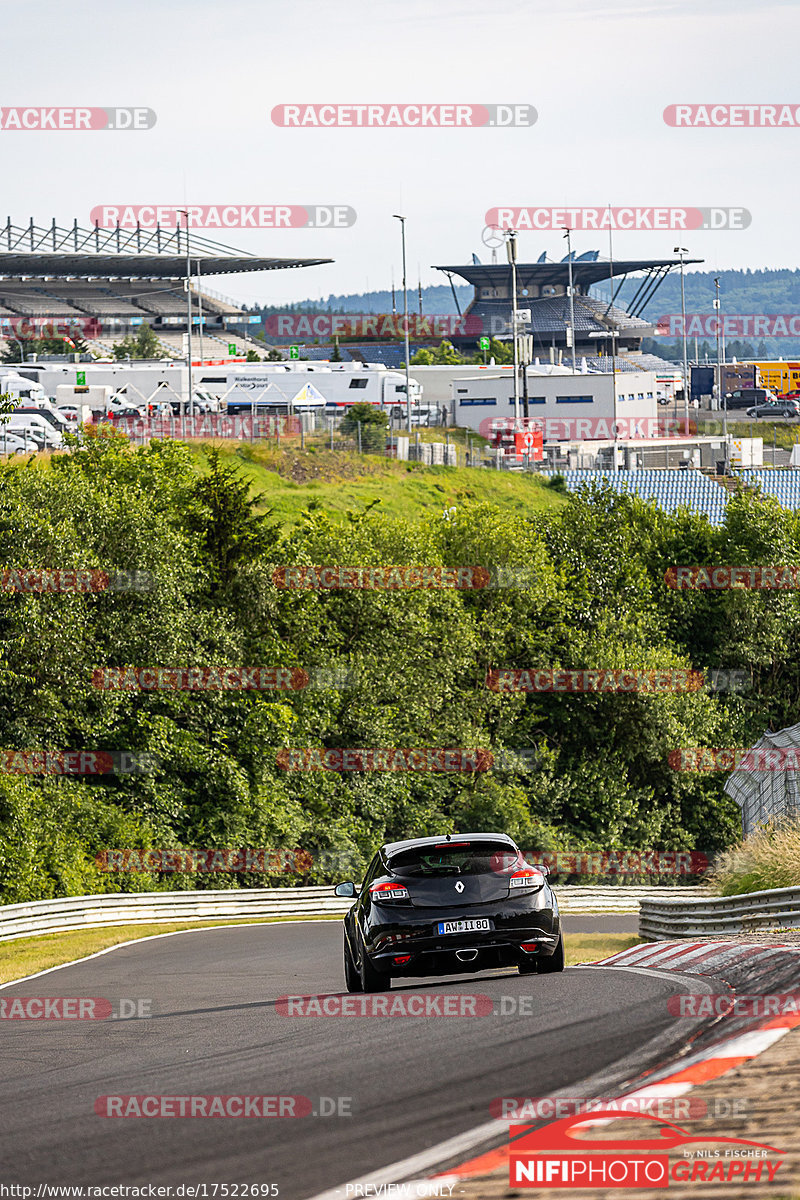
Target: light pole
(567,233)
(185,213)
(723,399)
(511,252)
(681,250)
(402,221)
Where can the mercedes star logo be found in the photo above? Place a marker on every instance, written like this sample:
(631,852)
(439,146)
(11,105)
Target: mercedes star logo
(459,886)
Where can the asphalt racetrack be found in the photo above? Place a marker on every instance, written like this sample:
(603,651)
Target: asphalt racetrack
(408,1083)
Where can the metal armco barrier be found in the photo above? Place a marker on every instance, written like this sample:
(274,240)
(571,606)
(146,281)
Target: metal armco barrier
(142,908)
(662,918)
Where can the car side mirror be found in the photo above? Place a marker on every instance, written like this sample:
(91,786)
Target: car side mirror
(347,889)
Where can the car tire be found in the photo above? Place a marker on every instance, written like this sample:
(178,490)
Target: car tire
(352,978)
(370,979)
(554,962)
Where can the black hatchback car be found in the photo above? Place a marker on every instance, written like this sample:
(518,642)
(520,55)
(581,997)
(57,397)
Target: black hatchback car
(440,905)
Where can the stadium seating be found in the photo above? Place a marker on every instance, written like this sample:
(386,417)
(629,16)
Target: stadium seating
(671,490)
(782,483)
(30,300)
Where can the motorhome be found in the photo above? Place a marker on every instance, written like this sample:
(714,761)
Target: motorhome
(21,388)
(37,427)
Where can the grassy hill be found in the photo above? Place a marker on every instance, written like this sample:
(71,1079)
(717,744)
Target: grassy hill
(290,481)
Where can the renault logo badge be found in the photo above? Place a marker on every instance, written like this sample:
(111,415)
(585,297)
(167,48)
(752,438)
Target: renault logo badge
(459,886)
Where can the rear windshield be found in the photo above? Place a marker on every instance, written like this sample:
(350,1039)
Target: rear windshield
(464,858)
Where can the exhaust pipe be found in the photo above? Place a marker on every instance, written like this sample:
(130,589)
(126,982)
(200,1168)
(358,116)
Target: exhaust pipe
(466,955)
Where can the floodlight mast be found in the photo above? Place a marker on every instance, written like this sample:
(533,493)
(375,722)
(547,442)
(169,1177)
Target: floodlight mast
(681,250)
(567,235)
(511,252)
(402,221)
(184,212)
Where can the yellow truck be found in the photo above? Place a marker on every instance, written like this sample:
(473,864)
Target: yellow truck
(782,378)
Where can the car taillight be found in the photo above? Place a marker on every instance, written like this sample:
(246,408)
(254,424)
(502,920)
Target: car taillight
(388,891)
(529,878)
(401,959)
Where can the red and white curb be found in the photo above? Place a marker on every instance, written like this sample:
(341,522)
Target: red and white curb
(685,958)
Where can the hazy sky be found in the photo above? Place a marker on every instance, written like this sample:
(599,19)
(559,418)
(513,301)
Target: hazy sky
(599,75)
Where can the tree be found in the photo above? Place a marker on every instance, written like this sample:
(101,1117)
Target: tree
(224,514)
(337,354)
(144,345)
(22,348)
(373,426)
(445,354)
(252,356)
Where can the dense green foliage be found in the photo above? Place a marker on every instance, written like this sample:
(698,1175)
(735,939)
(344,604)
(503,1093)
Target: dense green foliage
(413,662)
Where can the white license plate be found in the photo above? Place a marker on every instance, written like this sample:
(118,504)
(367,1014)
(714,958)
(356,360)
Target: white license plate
(479,924)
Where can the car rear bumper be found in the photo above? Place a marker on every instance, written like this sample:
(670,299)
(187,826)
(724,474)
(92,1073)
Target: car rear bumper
(429,952)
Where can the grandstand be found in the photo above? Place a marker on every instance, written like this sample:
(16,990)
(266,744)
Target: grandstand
(106,283)
(783,484)
(543,287)
(670,490)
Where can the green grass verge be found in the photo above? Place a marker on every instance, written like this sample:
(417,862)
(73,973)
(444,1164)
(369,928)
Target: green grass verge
(589,947)
(26,956)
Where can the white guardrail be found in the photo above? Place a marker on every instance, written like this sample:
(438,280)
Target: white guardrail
(663,917)
(142,908)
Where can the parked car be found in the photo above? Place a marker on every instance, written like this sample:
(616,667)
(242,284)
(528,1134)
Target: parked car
(775,408)
(749,397)
(126,411)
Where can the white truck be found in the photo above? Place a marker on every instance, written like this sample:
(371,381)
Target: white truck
(275,386)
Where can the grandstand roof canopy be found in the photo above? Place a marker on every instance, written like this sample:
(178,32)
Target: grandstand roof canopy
(59,252)
(584,274)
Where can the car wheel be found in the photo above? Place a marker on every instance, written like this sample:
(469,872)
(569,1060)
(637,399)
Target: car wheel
(352,978)
(370,979)
(554,962)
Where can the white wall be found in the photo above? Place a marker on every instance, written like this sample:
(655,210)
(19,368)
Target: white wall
(564,420)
